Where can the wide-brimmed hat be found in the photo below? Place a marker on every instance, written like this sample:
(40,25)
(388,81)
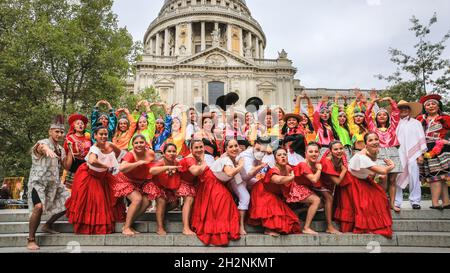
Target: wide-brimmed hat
(227,100)
(436,97)
(253,104)
(292,115)
(416,107)
(75,117)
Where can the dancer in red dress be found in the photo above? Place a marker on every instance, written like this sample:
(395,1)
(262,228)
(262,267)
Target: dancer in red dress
(92,208)
(371,209)
(267,207)
(166,182)
(134,175)
(189,171)
(334,172)
(215,216)
(308,174)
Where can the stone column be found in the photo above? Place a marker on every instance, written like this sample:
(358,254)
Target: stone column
(229,38)
(189,40)
(241,42)
(150,45)
(177,40)
(166,42)
(257,48)
(249,40)
(158,44)
(203,34)
(261,50)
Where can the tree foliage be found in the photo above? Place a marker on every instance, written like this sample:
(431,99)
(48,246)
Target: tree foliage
(426,71)
(55,57)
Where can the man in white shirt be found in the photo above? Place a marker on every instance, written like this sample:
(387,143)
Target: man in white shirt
(412,140)
(257,161)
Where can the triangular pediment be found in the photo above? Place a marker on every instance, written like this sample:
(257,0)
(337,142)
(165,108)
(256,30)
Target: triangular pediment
(266,85)
(164,83)
(216,57)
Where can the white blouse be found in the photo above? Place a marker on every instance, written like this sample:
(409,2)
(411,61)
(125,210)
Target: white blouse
(359,166)
(109,160)
(219,165)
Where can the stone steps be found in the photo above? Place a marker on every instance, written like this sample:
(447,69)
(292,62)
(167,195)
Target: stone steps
(177,227)
(407,214)
(400,239)
(229,250)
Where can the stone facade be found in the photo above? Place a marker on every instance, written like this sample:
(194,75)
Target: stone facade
(197,50)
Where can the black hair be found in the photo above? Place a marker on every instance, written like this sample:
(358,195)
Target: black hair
(193,141)
(388,121)
(169,145)
(312,144)
(138,136)
(366,136)
(298,143)
(97,127)
(263,140)
(310,124)
(212,120)
(227,142)
(334,143)
(278,149)
(345,125)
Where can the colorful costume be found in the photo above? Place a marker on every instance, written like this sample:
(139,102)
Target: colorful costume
(149,133)
(44,184)
(122,139)
(362,204)
(268,209)
(437,161)
(135,180)
(111,124)
(388,137)
(215,216)
(93,208)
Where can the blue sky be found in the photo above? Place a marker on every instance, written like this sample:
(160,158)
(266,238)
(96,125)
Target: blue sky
(333,43)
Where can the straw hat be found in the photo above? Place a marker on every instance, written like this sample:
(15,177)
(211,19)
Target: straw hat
(416,107)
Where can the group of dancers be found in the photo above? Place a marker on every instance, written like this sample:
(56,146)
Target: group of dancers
(228,169)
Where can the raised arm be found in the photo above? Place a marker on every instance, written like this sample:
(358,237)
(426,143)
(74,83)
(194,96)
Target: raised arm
(282,180)
(314,178)
(233,171)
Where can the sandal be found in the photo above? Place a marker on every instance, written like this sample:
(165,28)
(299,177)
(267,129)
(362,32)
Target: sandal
(437,208)
(446,207)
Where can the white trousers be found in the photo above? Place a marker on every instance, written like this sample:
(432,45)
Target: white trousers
(241,190)
(415,190)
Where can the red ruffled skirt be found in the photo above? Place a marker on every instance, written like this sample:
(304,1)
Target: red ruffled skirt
(92,207)
(362,207)
(215,216)
(124,186)
(295,193)
(269,211)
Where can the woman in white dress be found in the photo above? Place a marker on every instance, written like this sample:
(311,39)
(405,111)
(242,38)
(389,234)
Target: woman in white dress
(227,169)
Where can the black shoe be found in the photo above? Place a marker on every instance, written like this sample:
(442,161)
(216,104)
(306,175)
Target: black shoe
(446,207)
(417,207)
(438,208)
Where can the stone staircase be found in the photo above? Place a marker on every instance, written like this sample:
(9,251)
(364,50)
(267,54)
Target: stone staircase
(423,230)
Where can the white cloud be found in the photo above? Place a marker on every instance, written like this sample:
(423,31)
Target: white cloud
(334,43)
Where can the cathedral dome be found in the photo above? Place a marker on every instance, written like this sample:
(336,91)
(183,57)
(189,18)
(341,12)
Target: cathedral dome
(187,27)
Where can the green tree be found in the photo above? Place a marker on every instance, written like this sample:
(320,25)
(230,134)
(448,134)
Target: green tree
(87,55)
(55,57)
(150,94)
(425,71)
